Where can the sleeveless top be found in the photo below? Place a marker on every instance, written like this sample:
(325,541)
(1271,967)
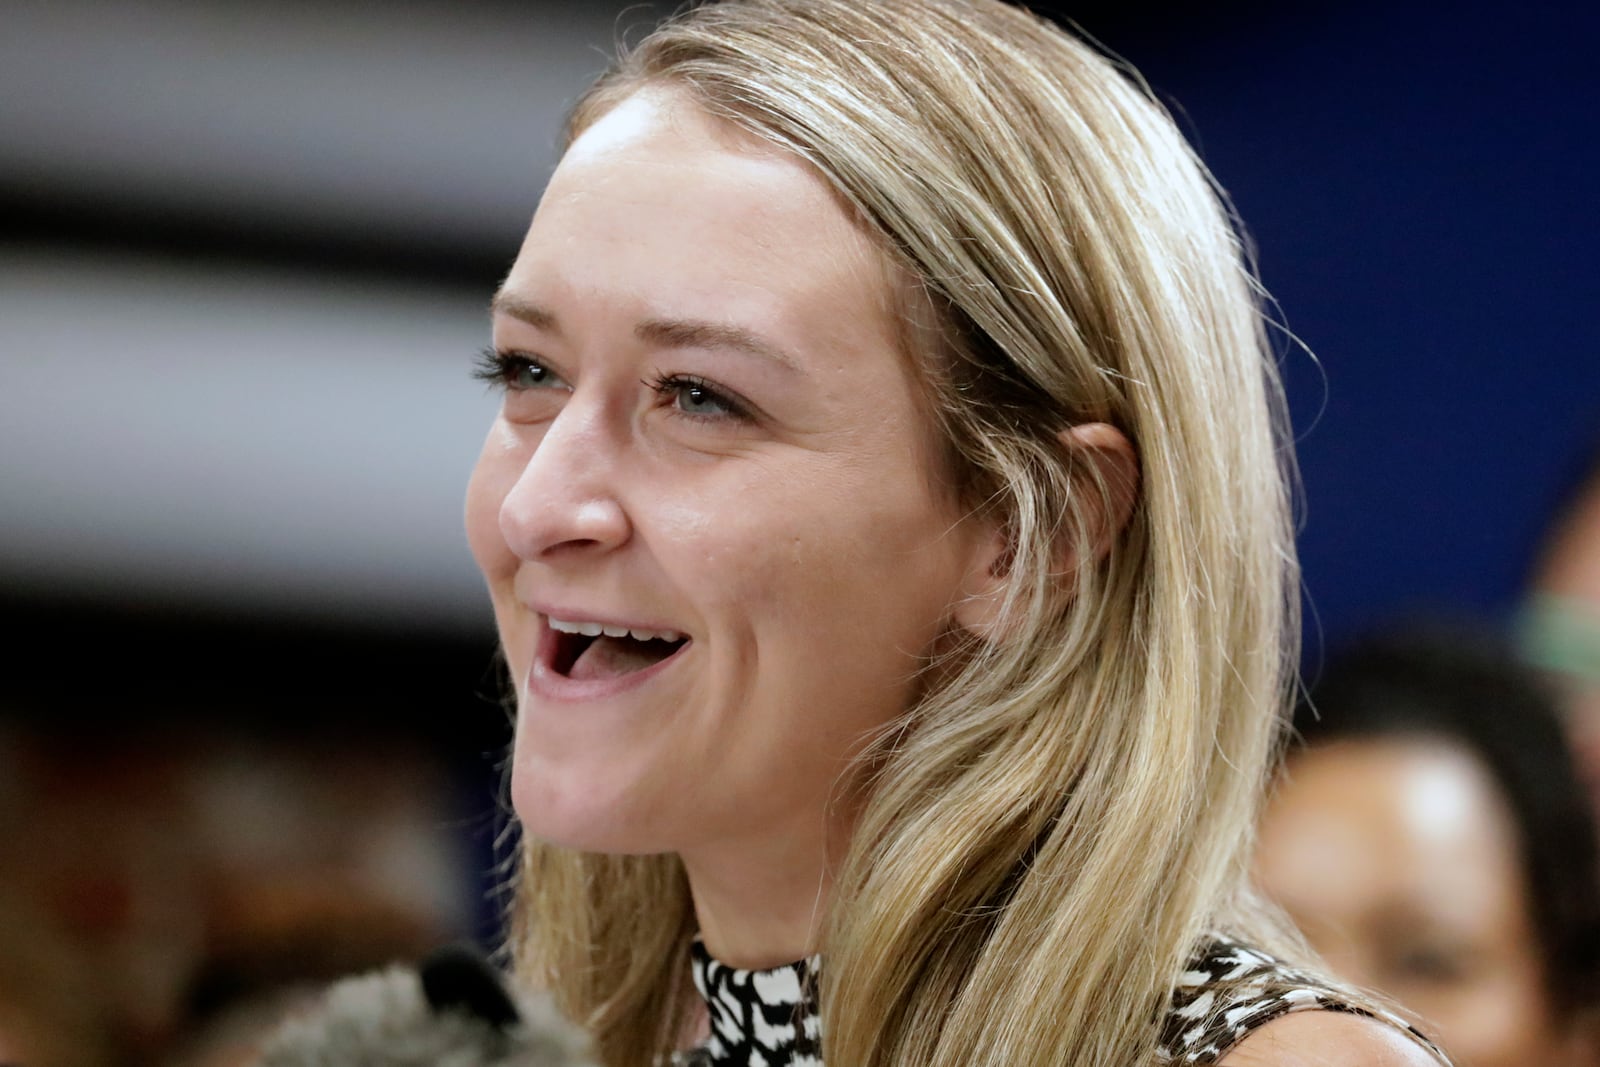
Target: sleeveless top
(770,1017)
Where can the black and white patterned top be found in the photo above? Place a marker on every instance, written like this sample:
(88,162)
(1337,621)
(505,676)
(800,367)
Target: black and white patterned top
(1230,989)
(760,1018)
(770,1018)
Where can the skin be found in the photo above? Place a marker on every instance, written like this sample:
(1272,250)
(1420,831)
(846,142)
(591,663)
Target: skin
(1327,1039)
(803,540)
(1400,862)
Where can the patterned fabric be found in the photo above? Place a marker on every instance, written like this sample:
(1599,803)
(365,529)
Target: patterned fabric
(770,1018)
(1229,990)
(760,1018)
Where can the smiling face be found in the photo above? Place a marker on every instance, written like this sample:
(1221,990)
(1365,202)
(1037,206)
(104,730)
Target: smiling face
(712,451)
(1400,861)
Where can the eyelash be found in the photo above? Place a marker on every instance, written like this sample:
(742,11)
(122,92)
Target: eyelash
(670,386)
(501,369)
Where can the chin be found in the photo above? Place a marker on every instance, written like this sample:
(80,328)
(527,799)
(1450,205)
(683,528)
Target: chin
(585,814)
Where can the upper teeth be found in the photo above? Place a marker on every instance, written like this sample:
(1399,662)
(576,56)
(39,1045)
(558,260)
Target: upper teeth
(595,629)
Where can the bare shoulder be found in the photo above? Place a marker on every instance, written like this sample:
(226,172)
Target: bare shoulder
(1328,1039)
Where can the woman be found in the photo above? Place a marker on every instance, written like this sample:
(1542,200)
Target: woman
(887,533)
(1433,839)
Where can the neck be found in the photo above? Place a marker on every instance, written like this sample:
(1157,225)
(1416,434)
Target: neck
(759,899)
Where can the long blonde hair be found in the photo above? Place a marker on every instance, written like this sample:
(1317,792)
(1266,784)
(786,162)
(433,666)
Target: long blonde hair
(1052,829)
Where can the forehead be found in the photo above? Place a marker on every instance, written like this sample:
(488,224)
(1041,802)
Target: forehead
(685,213)
(1373,820)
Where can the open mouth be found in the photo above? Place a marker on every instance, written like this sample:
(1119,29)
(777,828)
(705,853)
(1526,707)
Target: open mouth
(588,651)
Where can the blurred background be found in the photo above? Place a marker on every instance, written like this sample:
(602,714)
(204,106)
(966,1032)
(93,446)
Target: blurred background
(250,733)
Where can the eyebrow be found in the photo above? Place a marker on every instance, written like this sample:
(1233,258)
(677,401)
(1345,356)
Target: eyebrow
(663,333)
(504,303)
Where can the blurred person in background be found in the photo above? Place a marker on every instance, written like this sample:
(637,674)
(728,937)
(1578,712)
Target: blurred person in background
(1559,626)
(169,894)
(1430,835)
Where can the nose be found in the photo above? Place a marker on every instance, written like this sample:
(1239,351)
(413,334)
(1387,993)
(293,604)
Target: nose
(565,500)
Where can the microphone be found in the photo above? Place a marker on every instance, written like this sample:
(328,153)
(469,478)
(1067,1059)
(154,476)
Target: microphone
(454,1009)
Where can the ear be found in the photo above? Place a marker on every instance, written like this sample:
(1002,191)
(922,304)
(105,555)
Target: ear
(1105,472)
(1107,489)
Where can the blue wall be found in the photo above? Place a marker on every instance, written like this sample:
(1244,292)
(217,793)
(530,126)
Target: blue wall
(1424,188)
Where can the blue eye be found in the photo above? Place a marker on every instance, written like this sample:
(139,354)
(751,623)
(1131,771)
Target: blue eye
(694,399)
(512,371)
(525,374)
(697,398)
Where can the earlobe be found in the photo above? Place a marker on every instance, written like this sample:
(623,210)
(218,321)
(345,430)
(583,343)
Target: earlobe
(1106,480)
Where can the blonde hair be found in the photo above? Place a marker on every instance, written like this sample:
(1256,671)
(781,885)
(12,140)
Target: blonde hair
(1050,832)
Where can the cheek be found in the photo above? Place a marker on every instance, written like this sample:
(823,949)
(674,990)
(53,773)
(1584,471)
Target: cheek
(734,546)
(860,589)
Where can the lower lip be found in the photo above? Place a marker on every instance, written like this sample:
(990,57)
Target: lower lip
(546,684)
